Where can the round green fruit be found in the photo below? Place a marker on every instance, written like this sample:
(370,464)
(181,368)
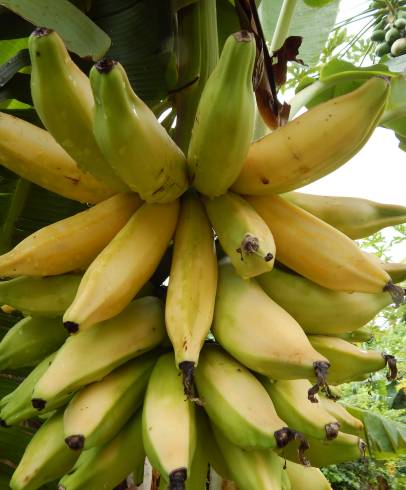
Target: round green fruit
(378,35)
(398,47)
(392,35)
(382,49)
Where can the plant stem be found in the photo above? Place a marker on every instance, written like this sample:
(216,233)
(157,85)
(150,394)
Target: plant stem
(283,24)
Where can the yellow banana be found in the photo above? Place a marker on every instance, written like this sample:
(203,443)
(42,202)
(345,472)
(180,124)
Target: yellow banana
(123,267)
(243,234)
(224,122)
(307,416)
(315,143)
(64,101)
(91,355)
(168,424)
(259,333)
(348,423)
(355,217)
(320,310)
(237,403)
(133,141)
(349,362)
(32,153)
(319,252)
(71,243)
(192,287)
(305,478)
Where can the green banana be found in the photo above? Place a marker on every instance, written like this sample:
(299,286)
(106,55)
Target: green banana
(71,243)
(259,333)
(91,355)
(356,217)
(63,99)
(192,287)
(296,154)
(29,341)
(344,448)
(306,478)
(349,362)
(363,334)
(285,481)
(137,147)
(320,310)
(243,234)
(309,417)
(396,271)
(104,467)
(169,424)
(251,470)
(215,456)
(118,273)
(237,403)
(45,458)
(40,296)
(348,423)
(16,406)
(98,411)
(32,153)
(224,122)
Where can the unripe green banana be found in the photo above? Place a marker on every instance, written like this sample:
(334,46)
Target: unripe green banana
(237,403)
(40,296)
(259,333)
(355,217)
(344,448)
(315,143)
(16,406)
(91,355)
(63,99)
(216,458)
(104,467)
(169,424)
(397,272)
(32,153)
(192,287)
(305,478)
(71,243)
(251,470)
(243,234)
(99,411)
(123,267)
(292,403)
(29,341)
(320,310)
(224,123)
(349,362)
(133,141)
(45,458)
(348,423)
(363,334)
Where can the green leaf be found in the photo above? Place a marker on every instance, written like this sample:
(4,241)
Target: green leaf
(13,65)
(81,35)
(317,3)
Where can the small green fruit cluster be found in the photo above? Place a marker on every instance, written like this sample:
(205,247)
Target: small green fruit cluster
(390,30)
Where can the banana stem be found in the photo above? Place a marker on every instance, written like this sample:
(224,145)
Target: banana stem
(283,24)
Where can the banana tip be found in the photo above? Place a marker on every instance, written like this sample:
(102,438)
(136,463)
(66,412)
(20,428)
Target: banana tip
(177,479)
(75,442)
(71,327)
(38,403)
(105,65)
(42,31)
(187,369)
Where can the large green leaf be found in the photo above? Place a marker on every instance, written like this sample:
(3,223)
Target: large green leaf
(80,34)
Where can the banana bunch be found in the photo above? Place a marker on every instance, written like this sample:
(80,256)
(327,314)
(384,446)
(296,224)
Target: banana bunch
(194,326)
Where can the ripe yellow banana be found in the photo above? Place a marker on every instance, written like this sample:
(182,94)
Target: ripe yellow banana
(237,403)
(315,143)
(64,101)
(192,287)
(355,217)
(348,423)
(136,145)
(224,121)
(349,362)
(123,267)
(243,234)
(345,447)
(309,417)
(320,310)
(45,458)
(319,252)
(32,153)
(306,478)
(71,243)
(259,333)
(99,411)
(169,424)
(91,355)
